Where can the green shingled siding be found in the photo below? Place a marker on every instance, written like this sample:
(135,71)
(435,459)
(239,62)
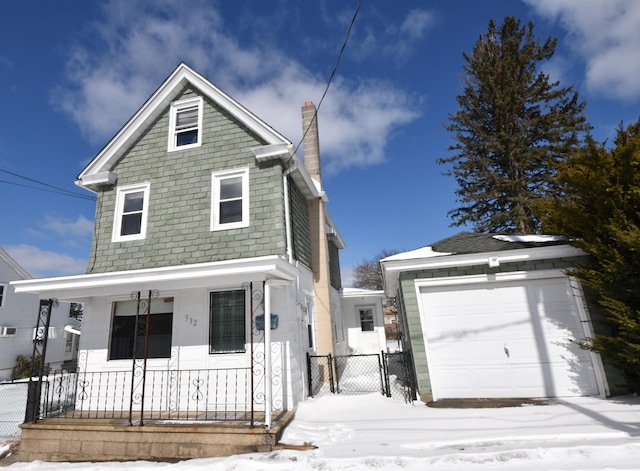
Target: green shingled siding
(178,230)
(334,266)
(300,232)
(412,328)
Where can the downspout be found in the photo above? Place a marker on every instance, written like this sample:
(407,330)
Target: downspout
(267,355)
(287,211)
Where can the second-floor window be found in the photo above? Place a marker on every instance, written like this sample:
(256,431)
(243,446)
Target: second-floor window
(132,203)
(185,124)
(230,199)
(3,291)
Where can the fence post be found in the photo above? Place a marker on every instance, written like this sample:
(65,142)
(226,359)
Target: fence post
(386,388)
(332,387)
(309,377)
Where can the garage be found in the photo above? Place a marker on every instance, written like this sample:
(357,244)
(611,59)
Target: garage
(500,339)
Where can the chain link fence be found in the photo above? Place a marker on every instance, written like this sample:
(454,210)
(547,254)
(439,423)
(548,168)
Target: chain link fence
(13,402)
(390,374)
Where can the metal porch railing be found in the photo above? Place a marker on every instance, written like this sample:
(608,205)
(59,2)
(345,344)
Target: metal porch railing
(167,395)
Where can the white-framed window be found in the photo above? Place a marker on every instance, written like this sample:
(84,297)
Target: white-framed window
(3,294)
(124,335)
(132,208)
(227,321)
(185,124)
(230,199)
(366,318)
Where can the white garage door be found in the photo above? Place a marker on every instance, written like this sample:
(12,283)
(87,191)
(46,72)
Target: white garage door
(505,339)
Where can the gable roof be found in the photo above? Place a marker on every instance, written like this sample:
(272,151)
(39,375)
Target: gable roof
(21,272)
(471,242)
(468,249)
(98,171)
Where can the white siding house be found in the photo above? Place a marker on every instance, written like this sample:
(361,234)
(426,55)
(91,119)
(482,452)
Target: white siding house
(18,317)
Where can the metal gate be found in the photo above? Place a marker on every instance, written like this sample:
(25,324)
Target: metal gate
(390,374)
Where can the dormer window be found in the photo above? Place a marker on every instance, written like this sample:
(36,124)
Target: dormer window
(132,203)
(185,124)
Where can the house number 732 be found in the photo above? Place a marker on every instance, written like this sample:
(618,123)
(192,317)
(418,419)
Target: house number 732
(191,321)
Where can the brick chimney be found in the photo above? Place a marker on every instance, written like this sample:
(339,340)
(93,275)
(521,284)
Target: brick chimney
(311,140)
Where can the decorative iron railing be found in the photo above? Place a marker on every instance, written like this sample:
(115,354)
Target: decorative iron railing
(169,395)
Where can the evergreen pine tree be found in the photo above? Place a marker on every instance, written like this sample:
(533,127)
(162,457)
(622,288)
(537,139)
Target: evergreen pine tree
(599,211)
(511,129)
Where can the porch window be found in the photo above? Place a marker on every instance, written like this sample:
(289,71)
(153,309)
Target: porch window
(227,323)
(366,319)
(123,331)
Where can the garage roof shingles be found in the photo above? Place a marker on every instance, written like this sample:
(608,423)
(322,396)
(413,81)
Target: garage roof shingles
(469,243)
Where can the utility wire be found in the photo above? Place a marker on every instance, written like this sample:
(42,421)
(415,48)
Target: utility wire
(333,72)
(58,190)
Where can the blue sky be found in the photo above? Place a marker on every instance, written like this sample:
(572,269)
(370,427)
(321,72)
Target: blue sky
(72,72)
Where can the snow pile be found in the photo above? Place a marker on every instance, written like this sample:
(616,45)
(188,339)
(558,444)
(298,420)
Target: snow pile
(371,432)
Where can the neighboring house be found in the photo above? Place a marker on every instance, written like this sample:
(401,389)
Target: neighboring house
(363,321)
(18,318)
(210,213)
(491,316)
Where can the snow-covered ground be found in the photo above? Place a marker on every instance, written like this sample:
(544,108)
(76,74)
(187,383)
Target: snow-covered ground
(354,433)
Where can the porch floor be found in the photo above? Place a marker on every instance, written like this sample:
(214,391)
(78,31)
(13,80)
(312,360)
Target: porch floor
(98,437)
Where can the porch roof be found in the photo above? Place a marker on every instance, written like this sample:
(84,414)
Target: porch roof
(202,275)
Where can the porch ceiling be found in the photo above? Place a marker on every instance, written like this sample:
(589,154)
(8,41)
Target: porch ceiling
(202,275)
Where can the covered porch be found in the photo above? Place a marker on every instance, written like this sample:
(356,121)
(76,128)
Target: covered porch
(175,398)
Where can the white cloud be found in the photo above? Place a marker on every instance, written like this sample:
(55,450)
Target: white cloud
(81,227)
(139,43)
(40,263)
(394,41)
(606,35)
(417,23)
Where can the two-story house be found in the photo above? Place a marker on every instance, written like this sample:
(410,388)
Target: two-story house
(18,318)
(214,264)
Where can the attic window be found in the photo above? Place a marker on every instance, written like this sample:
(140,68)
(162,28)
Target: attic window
(185,124)
(3,290)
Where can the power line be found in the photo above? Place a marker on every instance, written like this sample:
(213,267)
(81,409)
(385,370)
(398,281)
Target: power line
(333,72)
(58,190)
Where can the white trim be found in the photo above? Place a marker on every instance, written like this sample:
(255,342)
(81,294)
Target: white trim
(122,192)
(21,272)
(487,278)
(157,104)
(176,107)
(216,178)
(210,275)
(391,268)
(588,331)
(369,307)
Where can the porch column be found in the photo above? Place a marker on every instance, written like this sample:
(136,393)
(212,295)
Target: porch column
(267,355)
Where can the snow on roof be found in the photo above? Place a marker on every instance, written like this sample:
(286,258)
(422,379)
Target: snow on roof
(422,252)
(530,238)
